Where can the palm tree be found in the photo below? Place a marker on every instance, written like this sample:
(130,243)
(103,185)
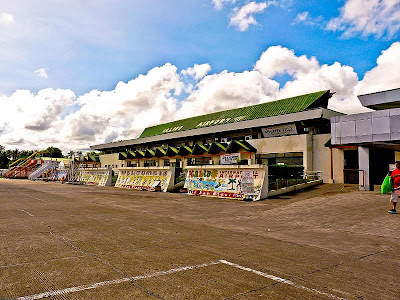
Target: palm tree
(70,154)
(79,154)
(15,153)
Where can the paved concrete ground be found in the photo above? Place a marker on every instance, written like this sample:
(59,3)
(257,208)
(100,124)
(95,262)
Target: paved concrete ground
(82,242)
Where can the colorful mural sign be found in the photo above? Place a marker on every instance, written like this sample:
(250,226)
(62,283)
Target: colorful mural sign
(144,179)
(100,177)
(235,183)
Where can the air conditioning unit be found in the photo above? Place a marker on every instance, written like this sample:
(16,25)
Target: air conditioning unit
(248,137)
(224,140)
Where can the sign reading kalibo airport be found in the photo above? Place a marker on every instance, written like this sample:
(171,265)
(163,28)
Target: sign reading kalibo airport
(230,159)
(234,182)
(279,130)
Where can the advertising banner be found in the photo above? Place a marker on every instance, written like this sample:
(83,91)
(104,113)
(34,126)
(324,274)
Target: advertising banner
(144,178)
(100,177)
(217,181)
(279,130)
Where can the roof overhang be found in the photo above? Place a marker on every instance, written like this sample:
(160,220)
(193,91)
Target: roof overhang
(381,100)
(317,113)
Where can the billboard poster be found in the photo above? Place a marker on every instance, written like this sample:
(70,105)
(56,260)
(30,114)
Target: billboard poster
(144,179)
(100,177)
(233,183)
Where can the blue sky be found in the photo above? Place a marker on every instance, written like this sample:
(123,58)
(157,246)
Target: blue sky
(139,35)
(59,58)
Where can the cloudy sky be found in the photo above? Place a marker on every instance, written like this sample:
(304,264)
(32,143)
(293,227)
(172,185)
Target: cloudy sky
(77,73)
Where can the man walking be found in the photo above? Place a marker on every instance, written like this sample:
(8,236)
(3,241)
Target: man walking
(396,184)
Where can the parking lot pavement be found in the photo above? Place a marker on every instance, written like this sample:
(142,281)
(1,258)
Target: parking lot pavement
(84,242)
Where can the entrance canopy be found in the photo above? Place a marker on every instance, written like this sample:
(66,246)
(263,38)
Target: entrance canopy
(198,149)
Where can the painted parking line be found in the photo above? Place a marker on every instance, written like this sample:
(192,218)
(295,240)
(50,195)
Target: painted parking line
(281,280)
(111,282)
(171,271)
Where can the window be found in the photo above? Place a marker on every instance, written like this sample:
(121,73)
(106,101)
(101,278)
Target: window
(199,161)
(288,158)
(149,163)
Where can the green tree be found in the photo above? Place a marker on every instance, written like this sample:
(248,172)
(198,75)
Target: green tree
(78,154)
(53,152)
(4,160)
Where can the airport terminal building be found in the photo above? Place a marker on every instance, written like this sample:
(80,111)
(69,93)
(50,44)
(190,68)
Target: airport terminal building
(292,131)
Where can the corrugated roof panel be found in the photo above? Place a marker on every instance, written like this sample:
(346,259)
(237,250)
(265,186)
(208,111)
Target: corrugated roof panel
(268,109)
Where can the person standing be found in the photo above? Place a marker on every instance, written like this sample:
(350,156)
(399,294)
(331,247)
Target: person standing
(396,185)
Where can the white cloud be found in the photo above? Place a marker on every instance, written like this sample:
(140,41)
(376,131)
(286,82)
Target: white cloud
(243,17)
(219,4)
(302,17)
(385,75)
(309,76)
(277,60)
(367,17)
(58,118)
(6,18)
(197,71)
(305,18)
(125,111)
(228,90)
(42,72)
(35,119)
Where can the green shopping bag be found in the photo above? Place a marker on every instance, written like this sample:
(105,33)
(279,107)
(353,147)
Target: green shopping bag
(387,185)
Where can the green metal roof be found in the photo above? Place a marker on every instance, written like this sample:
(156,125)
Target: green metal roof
(216,148)
(185,150)
(160,152)
(131,154)
(172,151)
(268,109)
(236,145)
(122,155)
(91,158)
(140,153)
(199,149)
(149,153)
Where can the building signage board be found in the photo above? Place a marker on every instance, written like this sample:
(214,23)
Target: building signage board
(279,130)
(221,182)
(230,159)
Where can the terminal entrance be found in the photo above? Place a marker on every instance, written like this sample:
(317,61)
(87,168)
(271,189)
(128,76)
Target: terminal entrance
(380,159)
(350,172)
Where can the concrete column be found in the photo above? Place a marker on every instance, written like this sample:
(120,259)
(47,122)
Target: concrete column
(363,164)
(308,154)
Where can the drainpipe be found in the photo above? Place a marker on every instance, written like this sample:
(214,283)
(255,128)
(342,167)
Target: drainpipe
(331,180)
